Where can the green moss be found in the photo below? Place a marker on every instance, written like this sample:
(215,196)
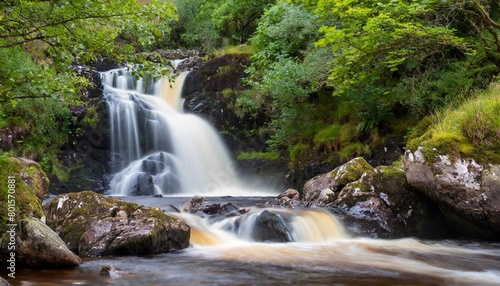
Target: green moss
(354,150)
(348,134)
(26,201)
(472,130)
(328,134)
(258,155)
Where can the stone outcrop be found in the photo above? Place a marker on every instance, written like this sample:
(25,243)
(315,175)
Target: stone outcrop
(468,193)
(199,206)
(375,202)
(38,246)
(94,225)
(85,163)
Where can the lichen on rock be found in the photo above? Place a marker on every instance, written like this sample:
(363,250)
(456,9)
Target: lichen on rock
(467,192)
(94,225)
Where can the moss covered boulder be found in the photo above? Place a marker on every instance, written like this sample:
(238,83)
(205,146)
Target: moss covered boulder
(468,193)
(94,225)
(375,202)
(383,204)
(323,189)
(27,185)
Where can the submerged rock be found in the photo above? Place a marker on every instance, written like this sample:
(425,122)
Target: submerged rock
(109,270)
(467,193)
(38,246)
(271,227)
(94,225)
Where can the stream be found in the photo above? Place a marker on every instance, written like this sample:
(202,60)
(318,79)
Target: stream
(338,259)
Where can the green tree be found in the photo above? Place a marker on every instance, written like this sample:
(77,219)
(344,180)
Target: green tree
(393,53)
(195,27)
(238,18)
(39,40)
(285,30)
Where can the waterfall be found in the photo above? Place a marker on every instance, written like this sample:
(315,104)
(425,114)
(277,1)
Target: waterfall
(159,149)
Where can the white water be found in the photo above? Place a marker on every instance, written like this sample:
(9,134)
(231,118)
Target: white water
(310,226)
(320,243)
(158,147)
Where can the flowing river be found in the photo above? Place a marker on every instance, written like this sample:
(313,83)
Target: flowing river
(322,255)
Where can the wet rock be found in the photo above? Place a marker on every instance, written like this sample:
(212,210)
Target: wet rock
(94,225)
(79,172)
(219,209)
(194,203)
(38,246)
(271,227)
(144,186)
(383,204)
(109,270)
(375,202)
(468,193)
(198,204)
(289,199)
(315,190)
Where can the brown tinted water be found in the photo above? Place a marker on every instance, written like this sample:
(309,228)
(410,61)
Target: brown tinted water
(317,257)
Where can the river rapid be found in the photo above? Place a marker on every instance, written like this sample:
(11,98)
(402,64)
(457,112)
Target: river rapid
(324,254)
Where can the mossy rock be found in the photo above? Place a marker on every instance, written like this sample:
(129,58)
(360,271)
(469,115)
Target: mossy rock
(338,178)
(95,225)
(30,187)
(354,192)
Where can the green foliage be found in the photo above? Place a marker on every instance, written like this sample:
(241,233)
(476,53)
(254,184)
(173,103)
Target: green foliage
(418,55)
(195,27)
(329,134)
(234,50)
(83,30)
(258,155)
(284,31)
(210,24)
(471,131)
(39,40)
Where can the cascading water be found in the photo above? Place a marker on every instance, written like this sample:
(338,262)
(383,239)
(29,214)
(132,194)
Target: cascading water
(269,225)
(158,149)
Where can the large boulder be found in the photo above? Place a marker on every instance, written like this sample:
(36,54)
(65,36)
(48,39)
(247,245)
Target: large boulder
(375,202)
(383,204)
(271,227)
(94,225)
(37,246)
(468,193)
(27,184)
(323,189)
